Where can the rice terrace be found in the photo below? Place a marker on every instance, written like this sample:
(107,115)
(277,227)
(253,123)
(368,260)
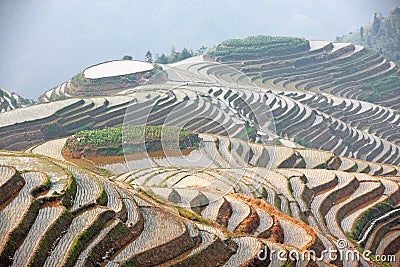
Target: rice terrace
(259,151)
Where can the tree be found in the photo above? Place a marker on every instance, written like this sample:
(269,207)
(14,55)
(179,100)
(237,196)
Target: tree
(201,50)
(173,57)
(369,44)
(381,35)
(362,33)
(148,57)
(376,24)
(185,54)
(163,59)
(127,57)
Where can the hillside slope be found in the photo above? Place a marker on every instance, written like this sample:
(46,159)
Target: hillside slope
(243,193)
(311,95)
(383,34)
(228,214)
(106,78)
(341,69)
(10,101)
(59,214)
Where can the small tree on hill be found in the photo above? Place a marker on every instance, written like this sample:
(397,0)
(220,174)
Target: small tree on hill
(127,57)
(173,57)
(185,54)
(163,59)
(201,50)
(376,24)
(369,44)
(148,57)
(362,33)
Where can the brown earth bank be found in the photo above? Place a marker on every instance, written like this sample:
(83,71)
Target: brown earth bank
(224,213)
(279,215)
(11,187)
(104,160)
(250,224)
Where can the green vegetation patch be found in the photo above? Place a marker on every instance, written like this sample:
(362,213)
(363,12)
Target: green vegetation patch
(303,143)
(136,139)
(115,239)
(80,80)
(103,198)
(249,132)
(374,212)
(278,202)
(16,237)
(381,89)
(70,193)
(191,215)
(48,239)
(84,239)
(258,46)
(381,35)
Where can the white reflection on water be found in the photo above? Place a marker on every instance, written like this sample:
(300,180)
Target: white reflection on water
(193,158)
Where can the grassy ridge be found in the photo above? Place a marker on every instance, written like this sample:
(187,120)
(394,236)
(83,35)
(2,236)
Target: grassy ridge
(374,212)
(258,46)
(380,89)
(109,141)
(80,80)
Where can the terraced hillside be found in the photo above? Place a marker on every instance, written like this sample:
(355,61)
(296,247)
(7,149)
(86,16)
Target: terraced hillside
(231,211)
(305,103)
(341,69)
(221,111)
(194,110)
(105,78)
(10,101)
(300,150)
(61,215)
(224,152)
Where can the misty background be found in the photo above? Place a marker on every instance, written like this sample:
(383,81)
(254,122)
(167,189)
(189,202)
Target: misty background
(45,42)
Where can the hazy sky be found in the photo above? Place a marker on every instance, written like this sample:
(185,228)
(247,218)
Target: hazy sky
(45,42)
